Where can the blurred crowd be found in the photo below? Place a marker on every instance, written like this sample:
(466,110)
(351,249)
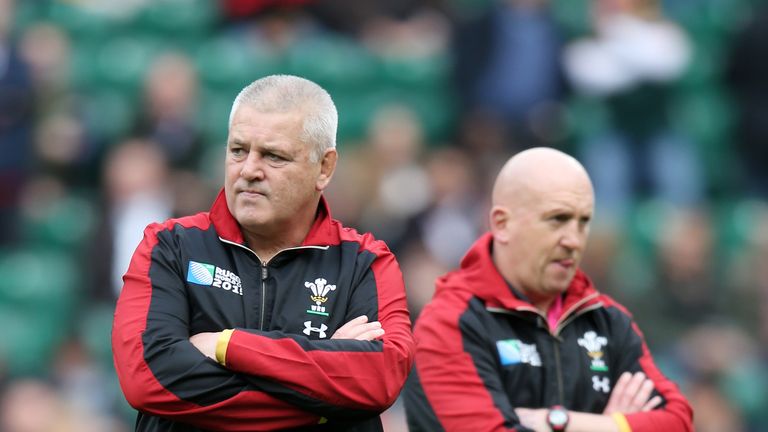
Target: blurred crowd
(114,115)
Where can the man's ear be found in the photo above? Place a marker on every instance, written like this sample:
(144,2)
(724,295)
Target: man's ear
(327,168)
(499,219)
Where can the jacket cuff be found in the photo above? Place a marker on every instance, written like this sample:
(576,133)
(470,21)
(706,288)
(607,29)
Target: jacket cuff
(621,422)
(221,346)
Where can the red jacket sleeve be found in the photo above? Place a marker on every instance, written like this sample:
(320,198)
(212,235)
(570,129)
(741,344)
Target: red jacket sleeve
(197,390)
(359,375)
(675,414)
(463,389)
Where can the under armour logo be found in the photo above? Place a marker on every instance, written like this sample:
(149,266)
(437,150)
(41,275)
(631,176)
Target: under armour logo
(308,329)
(601,384)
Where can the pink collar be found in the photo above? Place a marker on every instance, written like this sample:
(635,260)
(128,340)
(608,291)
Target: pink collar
(554,313)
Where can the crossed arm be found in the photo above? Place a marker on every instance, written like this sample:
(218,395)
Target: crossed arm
(356,329)
(631,394)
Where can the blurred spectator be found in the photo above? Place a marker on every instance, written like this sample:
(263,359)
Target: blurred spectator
(137,193)
(168,115)
(746,72)
(237,9)
(438,237)
(508,67)
(747,273)
(412,32)
(455,216)
(683,289)
(33,405)
(394,149)
(16,121)
(30,406)
(61,149)
(47,50)
(629,62)
(728,380)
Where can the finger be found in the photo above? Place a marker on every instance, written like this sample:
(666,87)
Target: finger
(652,403)
(355,332)
(362,319)
(617,393)
(370,334)
(643,394)
(349,331)
(633,386)
(342,332)
(621,384)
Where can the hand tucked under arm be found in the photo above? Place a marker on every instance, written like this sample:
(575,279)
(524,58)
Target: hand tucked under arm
(630,394)
(206,343)
(359,329)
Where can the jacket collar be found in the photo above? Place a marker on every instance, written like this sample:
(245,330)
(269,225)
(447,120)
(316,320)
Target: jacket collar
(228,228)
(480,276)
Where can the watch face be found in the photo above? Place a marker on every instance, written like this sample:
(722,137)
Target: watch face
(558,417)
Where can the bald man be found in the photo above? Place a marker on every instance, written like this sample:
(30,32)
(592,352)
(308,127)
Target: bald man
(518,338)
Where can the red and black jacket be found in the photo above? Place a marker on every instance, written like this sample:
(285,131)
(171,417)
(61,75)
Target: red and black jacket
(195,274)
(482,351)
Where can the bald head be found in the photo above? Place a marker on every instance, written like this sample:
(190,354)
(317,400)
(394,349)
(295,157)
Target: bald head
(542,207)
(536,171)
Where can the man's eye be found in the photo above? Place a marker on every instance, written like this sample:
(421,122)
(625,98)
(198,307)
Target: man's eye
(562,218)
(274,158)
(237,151)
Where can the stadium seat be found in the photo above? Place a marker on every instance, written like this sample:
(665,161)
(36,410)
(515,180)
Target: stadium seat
(334,62)
(66,224)
(226,63)
(178,19)
(108,114)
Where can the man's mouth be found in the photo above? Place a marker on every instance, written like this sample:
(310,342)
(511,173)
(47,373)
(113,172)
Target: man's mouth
(252,193)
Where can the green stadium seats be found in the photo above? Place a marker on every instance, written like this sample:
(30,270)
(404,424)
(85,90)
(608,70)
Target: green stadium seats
(178,18)
(66,224)
(121,63)
(37,296)
(416,72)
(213,115)
(108,114)
(333,62)
(228,64)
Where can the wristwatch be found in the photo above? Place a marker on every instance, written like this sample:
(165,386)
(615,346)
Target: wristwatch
(557,418)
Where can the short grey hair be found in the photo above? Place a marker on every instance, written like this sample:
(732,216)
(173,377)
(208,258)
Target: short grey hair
(286,93)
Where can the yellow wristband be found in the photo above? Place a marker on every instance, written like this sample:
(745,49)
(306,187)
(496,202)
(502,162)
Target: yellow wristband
(221,346)
(621,422)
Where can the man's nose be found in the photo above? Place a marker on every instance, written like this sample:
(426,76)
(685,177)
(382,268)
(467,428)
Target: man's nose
(574,237)
(253,168)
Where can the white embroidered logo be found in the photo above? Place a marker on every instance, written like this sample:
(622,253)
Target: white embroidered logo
(308,329)
(594,345)
(601,384)
(320,289)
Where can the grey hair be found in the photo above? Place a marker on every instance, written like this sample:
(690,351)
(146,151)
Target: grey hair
(285,93)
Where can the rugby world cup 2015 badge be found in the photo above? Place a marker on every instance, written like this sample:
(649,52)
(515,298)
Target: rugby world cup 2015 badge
(320,289)
(210,275)
(514,351)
